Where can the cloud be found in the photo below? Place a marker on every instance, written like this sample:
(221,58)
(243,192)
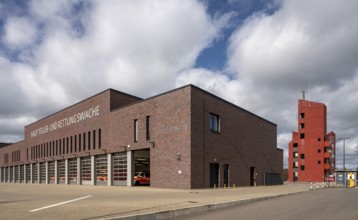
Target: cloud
(19,32)
(304,44)
(73,49)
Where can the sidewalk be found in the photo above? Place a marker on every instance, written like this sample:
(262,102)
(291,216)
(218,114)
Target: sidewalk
(204,200)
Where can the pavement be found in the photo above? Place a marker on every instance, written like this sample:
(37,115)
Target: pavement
(39,201)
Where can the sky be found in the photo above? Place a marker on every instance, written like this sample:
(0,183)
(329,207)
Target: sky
(257,54)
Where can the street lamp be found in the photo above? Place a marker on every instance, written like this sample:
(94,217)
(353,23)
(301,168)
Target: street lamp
(344,159)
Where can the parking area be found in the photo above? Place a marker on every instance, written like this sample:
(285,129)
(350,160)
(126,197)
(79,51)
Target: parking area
(40,201)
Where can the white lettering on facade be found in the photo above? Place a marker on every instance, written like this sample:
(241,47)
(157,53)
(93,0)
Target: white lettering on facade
(76,118)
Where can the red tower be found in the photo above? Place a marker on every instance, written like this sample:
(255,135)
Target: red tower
(311,154)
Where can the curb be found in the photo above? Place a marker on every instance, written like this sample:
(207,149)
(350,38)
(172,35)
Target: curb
(171,214)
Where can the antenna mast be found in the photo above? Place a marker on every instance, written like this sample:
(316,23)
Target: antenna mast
(304,91)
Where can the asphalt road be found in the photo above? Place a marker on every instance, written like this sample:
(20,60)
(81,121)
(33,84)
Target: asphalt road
(48,202)
(335,203)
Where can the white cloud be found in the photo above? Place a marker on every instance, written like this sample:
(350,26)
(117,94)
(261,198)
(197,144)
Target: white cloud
(19,32)
(79,48)
(304,44)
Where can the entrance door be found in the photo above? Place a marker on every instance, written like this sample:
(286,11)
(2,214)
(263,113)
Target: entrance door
(226,174)
(214,174)
(252,176)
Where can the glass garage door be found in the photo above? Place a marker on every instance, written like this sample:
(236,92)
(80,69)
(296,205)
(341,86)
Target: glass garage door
(101,170)
(61,171)
(86,170)
(43,173)
(28,173)
(72,170)
(2,174)
(51,172)
(16,173)
(120,169)
(22,173)
(35,173)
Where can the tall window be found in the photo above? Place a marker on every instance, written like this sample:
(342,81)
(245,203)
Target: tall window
(148,127)
(94,139)
(99,138)
(214,122)
(89,140)
(135,130)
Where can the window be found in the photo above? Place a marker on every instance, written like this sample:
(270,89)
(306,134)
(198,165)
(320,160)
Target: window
(148,127)
(302,115)
(319,139)
(94,139)
(295,154)
(89,140)
(79,143)
(302,125)
(302,156)
(302,167)
(75,143)
(71,142)
(84,141)
(295,144)
(295,164)
(319,150)
(135,130)
(99,138)
(214,122)
(302,135)
(319,162)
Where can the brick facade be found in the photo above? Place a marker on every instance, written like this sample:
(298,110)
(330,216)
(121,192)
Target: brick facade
(311,156)
(181,146)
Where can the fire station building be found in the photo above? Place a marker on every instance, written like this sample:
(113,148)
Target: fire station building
(185,138)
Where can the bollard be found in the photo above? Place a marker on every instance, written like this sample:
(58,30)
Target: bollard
(234,186)
(311,187)
(322,186)
(214,186)
(317,187)
(224,186)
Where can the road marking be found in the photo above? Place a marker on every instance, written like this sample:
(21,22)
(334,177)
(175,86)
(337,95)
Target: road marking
(57,204)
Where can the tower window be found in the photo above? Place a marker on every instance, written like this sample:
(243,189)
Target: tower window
(302,115)
(302,135)
(302,125)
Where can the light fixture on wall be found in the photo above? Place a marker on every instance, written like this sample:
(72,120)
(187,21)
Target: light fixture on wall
(178,156)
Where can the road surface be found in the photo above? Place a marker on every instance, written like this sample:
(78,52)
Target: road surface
(325,204)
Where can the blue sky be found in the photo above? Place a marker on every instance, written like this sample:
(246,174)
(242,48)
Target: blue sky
(257,54)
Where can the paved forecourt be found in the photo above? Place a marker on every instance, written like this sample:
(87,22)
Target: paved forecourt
(36,201)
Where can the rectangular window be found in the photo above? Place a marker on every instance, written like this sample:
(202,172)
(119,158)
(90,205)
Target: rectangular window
(148,127)
(135,130)
(84,141)
(94,139)
(302,115)
(99,138)
(214,122)
(302,167)
(302,125)
(302,135)
(295,154)
(67,146)
(79,143)
(89,140)
(75,143)
(302,156)
(71,143)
